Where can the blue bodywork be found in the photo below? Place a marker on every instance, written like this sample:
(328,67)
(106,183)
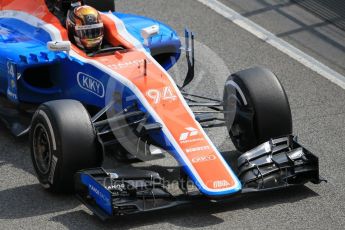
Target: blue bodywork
(101,195)
(25,47)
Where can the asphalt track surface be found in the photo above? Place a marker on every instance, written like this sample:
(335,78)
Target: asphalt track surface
(319,121)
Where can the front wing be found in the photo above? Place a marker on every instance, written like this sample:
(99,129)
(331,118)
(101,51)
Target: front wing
(276,164)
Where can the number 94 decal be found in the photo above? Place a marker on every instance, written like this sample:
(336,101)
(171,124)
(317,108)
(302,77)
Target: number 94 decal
(164,94)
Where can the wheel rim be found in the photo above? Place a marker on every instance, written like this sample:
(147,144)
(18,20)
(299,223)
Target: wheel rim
(243,120)
(42,149)
(236,133)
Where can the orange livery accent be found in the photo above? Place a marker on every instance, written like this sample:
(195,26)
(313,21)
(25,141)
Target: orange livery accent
(174,114)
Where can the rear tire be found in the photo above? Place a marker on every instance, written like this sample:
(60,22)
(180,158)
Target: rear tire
(262,108)
(63,141)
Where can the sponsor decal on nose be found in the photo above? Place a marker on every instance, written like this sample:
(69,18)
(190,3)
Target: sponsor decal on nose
(191,132)
(198,149)
(200,159)
(221,184)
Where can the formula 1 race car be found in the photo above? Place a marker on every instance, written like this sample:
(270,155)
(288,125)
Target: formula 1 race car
(77,106)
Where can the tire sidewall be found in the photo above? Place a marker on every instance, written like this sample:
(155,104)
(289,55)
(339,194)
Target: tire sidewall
(42,117)
(250,134)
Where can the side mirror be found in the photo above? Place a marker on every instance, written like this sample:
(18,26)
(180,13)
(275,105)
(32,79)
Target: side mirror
(149,32)
(59,46)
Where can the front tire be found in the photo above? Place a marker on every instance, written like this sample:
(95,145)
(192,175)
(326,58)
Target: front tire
(63,141)
(262,108)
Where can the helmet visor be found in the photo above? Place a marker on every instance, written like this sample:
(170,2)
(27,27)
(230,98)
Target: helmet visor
(89,31)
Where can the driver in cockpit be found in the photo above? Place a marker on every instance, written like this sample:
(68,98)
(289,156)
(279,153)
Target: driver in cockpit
(84,24)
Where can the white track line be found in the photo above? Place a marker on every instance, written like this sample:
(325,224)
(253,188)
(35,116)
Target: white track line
(276,42)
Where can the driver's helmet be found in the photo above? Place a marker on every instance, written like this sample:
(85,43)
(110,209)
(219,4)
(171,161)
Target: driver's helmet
(85,26)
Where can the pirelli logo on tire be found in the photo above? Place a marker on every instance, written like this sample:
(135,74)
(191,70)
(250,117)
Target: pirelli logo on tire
(52,169)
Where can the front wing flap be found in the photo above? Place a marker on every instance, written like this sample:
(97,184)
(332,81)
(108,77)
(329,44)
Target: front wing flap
(277,163)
